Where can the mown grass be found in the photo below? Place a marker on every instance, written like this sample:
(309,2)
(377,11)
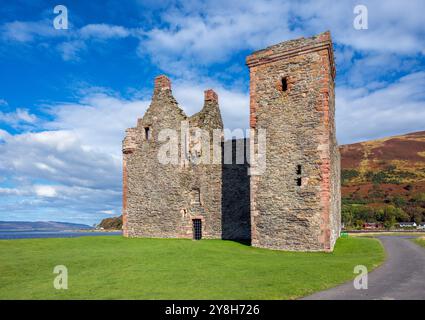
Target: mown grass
(121,268)
(420,241)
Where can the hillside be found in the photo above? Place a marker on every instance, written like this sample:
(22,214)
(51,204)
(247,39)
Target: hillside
(385,174)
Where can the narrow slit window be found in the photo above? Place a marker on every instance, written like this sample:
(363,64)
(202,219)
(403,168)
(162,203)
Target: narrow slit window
(147,133)
(284,84)
(299,171)
(299,182)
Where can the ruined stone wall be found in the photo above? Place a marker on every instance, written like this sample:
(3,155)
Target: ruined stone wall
(161,199)
(204,172)
(153,195)
(129,146)
(292,97)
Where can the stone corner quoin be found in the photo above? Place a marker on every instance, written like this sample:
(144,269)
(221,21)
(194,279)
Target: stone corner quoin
(294,204)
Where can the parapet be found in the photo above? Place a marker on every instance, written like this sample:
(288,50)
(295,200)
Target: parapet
(292,48)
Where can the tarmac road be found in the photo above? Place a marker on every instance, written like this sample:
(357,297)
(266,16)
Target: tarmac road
(401,277)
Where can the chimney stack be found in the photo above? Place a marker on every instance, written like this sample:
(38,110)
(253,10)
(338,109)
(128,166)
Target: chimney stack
(162,83)
(210,95)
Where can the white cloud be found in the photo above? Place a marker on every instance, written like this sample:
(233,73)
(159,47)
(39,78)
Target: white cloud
(3,135)
(198,34)
(60,157)
(110,212)
(71,42)
(70,50)
(394,26)
(98,121)
(394,109)
(43,166)
(10,191)
(234,104)
(77,156)
(25,116)
(45,191)
(17,118)
(213,32)
(27,31)
(103,31)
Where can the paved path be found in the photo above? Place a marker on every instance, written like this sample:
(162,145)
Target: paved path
(402,276)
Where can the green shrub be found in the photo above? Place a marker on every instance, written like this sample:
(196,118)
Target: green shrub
(347,175)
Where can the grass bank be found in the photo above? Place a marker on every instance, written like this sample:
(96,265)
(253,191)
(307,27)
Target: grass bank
(114,267)
(386,233)
(420,241)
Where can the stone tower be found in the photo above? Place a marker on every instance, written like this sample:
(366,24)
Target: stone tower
(295,203)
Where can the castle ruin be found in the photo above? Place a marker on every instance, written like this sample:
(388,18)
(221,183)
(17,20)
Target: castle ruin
(293,204)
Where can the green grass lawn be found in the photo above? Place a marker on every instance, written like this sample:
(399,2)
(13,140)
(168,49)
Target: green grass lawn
(120,268)
(420,241)
(387,233)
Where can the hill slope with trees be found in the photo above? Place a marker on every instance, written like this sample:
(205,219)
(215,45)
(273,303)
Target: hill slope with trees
(384,180)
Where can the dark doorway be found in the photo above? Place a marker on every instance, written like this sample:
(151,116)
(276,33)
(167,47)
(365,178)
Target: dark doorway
(197,229)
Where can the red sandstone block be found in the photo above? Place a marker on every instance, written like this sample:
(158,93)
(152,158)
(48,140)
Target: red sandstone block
(162,82)
(210,95)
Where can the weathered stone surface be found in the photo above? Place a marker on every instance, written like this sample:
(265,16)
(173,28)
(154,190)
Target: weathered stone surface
(301,146)
(159,199)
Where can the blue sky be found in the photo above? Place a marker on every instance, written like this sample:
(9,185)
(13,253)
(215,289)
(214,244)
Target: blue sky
(66,96)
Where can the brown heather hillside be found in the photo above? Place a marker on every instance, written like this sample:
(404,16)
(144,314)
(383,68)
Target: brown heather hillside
(386,172)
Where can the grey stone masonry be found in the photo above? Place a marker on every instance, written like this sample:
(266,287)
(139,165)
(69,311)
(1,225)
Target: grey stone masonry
(162,199)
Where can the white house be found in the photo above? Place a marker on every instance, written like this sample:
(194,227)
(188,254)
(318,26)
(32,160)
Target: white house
(407,224)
